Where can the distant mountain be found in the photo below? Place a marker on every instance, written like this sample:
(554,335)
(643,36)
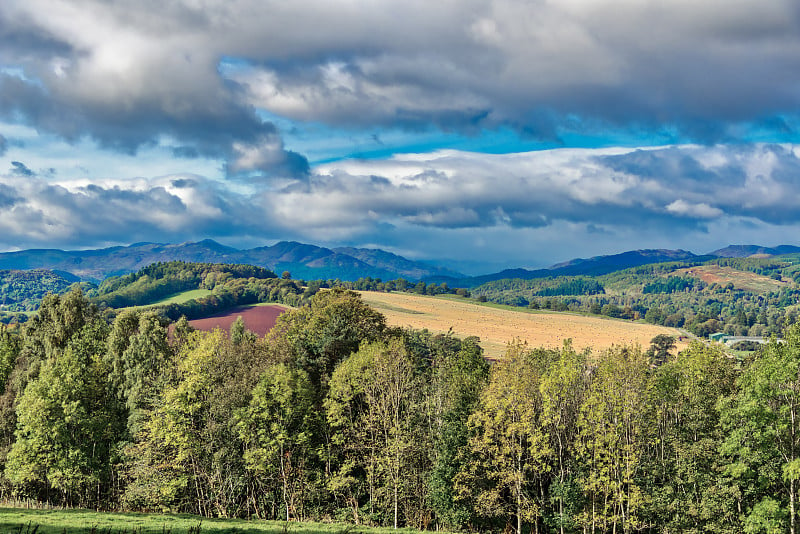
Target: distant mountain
(310,262)
(303,261)
(406,268)
(744,251)
(595,266)
(607,264)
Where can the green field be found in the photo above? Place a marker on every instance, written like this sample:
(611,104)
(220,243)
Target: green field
(27,521)
(184,296)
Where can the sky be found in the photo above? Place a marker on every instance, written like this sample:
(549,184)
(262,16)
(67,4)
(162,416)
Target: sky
(479,134)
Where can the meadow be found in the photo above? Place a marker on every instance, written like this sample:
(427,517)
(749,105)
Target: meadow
(28,521)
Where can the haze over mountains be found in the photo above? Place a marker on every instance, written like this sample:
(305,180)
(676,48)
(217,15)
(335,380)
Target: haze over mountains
(305,261)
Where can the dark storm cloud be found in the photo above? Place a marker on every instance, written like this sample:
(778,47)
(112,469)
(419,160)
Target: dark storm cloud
(700,67)
(113,74)
(128,74)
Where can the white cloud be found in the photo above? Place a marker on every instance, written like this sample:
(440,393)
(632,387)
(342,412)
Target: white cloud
(450,204)
(700,210)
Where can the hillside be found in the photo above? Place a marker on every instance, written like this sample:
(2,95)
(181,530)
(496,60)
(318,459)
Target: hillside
(196,290)
(22,291)
(739,296)
(496,327)
(745,251)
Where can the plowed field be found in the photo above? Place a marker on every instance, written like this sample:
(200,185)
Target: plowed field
(496,327)
(257,319)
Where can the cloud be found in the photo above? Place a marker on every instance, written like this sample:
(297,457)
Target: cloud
(3,145)
(542,67)
(664,189)
(20,169)
(121,78)
(132,74)
(527,209)
(701,210)
(266,155)
(38,213)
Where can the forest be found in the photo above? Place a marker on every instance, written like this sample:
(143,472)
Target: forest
(336,416)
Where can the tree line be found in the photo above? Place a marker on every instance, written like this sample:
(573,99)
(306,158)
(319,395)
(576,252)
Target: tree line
(335,415)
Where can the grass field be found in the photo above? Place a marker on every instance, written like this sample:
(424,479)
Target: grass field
(498,325)
(185,296)
(24,521)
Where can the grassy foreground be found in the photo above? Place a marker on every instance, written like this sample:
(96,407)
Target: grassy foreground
(25,521)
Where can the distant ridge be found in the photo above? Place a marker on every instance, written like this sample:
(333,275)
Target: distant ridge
(594,266)
(624,260)
(744,251)
(311,262)
(303,261)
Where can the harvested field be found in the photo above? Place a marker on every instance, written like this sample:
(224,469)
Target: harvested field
(496,327)
(747,281)
(258,319)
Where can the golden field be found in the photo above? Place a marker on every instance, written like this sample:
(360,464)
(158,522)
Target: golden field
(497,326)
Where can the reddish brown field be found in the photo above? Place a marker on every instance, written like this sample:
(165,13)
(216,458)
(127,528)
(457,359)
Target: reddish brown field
(257,319)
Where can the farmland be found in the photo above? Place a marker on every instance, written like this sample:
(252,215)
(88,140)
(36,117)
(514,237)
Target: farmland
(743,280)
(258,319)
(496,326)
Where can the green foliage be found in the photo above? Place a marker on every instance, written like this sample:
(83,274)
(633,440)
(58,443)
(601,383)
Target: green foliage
(659,349)
(671,284)
(277,429)
(458,375)
(68,424)
(689,492)
(510,442)
(139,358)
(336,415)
(763,436)
(10,346)
(371,408)
(24,290)
(573,286)
(160,280)
(612,439)
(316,338)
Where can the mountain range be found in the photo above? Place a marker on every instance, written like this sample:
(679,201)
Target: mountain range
(303,261)
(311,262)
